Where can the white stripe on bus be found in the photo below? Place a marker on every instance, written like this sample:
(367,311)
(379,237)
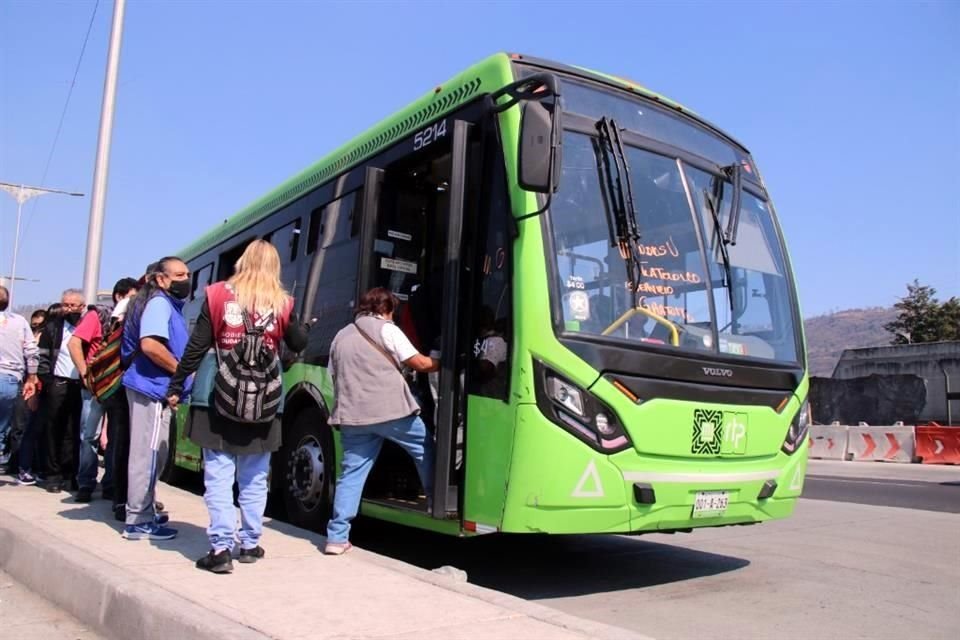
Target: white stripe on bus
(693,478)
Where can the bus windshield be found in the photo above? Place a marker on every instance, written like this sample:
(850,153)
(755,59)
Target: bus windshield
(683,282)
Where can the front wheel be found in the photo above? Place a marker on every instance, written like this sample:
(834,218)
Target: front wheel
(305,469)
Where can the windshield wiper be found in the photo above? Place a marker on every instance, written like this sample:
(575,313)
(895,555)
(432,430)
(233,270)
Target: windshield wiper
(620,192)
(733,224)
(713,203)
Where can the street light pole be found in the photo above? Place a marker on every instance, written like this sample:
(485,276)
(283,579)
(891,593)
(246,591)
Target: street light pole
(91,267)
(22,193)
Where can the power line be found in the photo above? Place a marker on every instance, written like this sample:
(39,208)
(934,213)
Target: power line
(63,115)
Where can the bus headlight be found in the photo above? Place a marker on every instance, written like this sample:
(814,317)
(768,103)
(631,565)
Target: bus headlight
(604,427)
(578,411)
(798,430)
(566,394)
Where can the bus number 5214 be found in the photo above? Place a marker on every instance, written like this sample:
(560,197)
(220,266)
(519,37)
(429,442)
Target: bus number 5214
(430,134)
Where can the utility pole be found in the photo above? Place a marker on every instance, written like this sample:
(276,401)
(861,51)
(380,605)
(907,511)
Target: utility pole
(21,194)
(91,267)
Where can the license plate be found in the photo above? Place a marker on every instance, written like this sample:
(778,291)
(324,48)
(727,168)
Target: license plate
(710,504)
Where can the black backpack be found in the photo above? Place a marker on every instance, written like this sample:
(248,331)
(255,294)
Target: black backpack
(247,387)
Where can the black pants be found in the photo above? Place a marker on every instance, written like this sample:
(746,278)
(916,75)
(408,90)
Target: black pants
(118,442)
(24,446)
(62,406)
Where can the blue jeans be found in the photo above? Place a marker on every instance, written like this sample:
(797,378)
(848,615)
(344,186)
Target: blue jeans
(9,388)
(219,470)
(91,417)
(361,446)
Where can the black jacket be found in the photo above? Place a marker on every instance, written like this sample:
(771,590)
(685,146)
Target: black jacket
(49,345)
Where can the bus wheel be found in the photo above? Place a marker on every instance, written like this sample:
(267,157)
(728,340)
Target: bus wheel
(306,471)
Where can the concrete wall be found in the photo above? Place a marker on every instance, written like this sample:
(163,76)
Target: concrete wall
(931,362)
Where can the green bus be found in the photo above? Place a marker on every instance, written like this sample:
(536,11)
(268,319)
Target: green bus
(605,279)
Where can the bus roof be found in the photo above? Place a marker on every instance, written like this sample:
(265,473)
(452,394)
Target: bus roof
(486,76)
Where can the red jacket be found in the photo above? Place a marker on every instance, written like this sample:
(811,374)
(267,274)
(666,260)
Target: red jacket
(226,318)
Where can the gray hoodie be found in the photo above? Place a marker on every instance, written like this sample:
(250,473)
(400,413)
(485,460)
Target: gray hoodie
(18,349)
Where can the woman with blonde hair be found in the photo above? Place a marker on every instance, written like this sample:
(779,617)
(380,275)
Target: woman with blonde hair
(251,308)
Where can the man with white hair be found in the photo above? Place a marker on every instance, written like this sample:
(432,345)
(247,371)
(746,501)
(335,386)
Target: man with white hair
(18,366)
(61,399)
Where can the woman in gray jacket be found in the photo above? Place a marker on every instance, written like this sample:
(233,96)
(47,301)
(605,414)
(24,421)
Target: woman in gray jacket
(373,403)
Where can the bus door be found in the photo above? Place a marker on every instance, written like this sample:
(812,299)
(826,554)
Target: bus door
(413,246)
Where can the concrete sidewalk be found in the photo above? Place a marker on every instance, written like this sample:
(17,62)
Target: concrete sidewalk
(73,555)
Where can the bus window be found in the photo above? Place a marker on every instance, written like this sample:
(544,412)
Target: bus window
(201,279)
(228,259)
(333,271)
(409,245)
(315,230)
(287,240)
(490,326)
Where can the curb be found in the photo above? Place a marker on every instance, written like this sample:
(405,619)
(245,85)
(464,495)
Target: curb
(102,595)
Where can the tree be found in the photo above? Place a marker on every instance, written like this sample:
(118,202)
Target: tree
(950,319)
(922,318)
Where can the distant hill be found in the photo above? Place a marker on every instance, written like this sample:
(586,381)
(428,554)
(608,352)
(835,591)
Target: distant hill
(828,335)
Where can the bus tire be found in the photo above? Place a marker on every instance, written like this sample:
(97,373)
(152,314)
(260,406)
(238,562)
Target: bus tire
(305,470)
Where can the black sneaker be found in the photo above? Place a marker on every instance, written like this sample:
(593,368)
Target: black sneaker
(216,562)
(54,487)
(84,495)
(249,556)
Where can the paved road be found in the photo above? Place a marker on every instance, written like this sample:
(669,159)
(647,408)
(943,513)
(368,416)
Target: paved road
(909,494)
(850,563)
(837,569)
(26,616)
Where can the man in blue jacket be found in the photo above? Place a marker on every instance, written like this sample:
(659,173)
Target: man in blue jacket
(154,338)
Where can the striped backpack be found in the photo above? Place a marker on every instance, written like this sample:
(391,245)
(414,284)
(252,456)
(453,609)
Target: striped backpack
(105,371)
(247,387)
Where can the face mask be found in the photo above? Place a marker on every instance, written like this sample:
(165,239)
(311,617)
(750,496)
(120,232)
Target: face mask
(179,289)
(73,318)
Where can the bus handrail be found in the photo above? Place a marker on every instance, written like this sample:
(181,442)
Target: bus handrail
(674,332)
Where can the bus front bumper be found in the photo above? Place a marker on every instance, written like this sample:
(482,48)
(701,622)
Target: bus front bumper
(559,485)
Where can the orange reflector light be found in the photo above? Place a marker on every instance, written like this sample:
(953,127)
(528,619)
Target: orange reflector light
(623,389)
(783,404)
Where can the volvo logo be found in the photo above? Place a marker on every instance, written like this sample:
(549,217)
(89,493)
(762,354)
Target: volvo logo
(718,372)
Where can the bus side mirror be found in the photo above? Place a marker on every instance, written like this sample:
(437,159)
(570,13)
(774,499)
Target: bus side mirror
(539,153)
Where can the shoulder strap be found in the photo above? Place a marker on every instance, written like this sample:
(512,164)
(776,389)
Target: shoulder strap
(379,348)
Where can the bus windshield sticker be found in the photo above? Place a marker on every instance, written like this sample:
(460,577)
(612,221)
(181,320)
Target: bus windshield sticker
(399,235)
(579,304)
(392,264)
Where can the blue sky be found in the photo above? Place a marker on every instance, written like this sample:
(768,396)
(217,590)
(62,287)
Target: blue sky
(850,110)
